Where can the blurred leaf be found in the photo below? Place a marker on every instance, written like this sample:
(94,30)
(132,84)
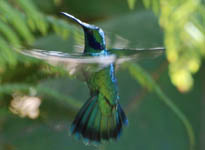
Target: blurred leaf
(35,18)
(20,22)
(131,3)
(183,23)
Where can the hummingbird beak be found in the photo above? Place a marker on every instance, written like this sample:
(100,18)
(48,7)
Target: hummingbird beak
(94,36)
(83,24)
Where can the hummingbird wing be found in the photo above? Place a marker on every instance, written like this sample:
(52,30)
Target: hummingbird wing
(82,66)
(76,63)
(138,54)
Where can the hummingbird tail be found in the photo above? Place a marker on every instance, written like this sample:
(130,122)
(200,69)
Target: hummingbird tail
(94,126)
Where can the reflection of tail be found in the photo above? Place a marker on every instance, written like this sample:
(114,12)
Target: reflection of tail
(94,125)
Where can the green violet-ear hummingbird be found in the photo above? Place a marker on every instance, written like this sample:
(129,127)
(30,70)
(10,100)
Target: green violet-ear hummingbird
(101,118)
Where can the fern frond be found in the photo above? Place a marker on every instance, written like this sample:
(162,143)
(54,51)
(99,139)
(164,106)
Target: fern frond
(36,19)
(6,57)
(19,23)
(13,17)
(10,34)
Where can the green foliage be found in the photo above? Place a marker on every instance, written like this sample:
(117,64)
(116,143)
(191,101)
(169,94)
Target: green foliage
(183,23)
(22,24)
(131,3)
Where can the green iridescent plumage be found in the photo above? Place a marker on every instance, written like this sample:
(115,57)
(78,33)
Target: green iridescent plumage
(101,117)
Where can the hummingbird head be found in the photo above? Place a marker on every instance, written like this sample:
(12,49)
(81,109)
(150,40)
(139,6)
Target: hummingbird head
(94,36)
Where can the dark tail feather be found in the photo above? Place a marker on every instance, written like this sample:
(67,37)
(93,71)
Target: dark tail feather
(93,126)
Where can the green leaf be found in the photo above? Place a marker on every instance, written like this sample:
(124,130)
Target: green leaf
(131,4)
(6,54)
(9,34)
(183,24)
(13,16)
(33,14)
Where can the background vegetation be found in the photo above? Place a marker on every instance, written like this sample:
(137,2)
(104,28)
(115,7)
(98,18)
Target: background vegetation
(164,101)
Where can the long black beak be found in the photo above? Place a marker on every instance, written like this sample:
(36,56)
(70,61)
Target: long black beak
(94,36)
(83,24)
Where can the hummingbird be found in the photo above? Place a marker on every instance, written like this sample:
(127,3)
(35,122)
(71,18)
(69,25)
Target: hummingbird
(101,117)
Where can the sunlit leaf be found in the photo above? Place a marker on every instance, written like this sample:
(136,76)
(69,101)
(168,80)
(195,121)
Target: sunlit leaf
(183,24)
(131,3)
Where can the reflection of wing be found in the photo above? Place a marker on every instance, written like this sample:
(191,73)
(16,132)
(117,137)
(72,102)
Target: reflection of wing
(75,64)
(136,54)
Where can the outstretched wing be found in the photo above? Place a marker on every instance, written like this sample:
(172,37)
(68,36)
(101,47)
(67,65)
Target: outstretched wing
(76,64)
(136,54)
(81,66)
